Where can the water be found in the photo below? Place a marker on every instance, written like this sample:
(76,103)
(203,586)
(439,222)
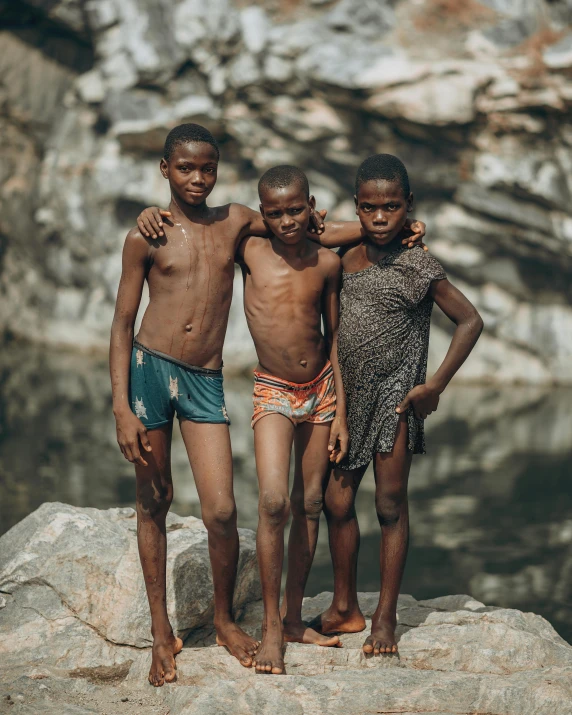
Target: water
(491,504)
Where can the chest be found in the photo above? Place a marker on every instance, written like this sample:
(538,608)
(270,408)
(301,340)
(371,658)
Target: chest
(195,252)
(384,288)
(280,284)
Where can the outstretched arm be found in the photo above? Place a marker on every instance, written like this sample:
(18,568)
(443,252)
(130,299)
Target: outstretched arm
(339,435)
(130,430)
(343,233)
(425,398)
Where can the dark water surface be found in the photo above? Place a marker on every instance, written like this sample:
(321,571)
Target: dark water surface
(491,503)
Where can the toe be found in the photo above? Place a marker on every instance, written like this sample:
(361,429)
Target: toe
(276,670)
(368,645)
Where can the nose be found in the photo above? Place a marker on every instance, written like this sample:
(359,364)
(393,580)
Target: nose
(287,222)
(379,218)
(197,179)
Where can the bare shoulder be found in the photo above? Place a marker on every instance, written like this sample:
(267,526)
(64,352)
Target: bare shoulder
(329,260)
(252,246)
(239,213)
(349,255)
(136,244)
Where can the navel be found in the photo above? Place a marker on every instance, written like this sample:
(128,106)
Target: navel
(188,328)
(303,363)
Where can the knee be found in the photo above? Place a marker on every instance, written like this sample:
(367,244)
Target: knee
(307,506)
(274,507)
(389,506)
(339,509)
(154,500)
(219,516)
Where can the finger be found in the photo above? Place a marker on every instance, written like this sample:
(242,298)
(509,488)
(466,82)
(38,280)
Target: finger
(423,246)
(147,225)
(128,453)
(145,440)
(403,405)
(164,213)
(136,454)
(154,221)
(141,226)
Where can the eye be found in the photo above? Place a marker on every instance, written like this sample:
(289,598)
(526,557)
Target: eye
(210,170)
(394,207)
(183,168)
(295,211)
(366,208)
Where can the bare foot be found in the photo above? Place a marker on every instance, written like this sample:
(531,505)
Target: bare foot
(382,638)
(332,621)
(238,643)
(300,633)
(163,667)
(269,656)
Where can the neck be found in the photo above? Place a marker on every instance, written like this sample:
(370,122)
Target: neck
(180,210)
(294,250)
(375,252)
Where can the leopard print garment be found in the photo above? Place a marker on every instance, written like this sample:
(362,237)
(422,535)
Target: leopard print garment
(383,340)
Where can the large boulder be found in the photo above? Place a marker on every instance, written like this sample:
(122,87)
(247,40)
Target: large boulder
(456,656)
(78,571)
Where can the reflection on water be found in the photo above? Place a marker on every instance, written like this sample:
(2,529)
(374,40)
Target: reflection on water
(490,504)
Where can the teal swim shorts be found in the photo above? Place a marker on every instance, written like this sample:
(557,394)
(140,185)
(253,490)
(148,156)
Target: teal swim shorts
(161,386)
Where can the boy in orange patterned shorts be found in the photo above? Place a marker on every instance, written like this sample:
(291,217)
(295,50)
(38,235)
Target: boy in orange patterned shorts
(291,284)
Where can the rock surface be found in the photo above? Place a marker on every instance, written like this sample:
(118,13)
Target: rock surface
(71,574)
(474,96)
(456,654)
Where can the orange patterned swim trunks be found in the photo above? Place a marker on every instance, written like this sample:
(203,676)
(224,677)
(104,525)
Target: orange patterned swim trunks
(313,401)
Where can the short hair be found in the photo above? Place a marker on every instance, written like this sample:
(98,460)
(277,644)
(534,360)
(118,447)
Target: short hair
(185,134)
(279,177)
(383,167)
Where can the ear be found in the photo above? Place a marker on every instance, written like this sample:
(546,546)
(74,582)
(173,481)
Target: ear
(312,203)
(356,203)
(261,209)
(410,203)
(164,167)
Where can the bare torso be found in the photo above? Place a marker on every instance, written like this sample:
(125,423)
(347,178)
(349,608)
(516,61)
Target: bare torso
(283,306)
(190,278)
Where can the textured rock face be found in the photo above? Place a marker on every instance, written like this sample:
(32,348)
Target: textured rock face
(474,96)
(78,570)
(70,614)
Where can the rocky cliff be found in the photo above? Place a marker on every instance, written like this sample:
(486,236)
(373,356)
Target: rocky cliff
(475,96)
(75,637)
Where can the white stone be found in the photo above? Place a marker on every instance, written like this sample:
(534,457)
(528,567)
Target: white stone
(91,87)
(254,26)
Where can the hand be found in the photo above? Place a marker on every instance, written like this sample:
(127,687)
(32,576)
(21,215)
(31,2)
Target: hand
(317,219)
(339,440)
(131,436)
(150,221)
(414,231)
(423,399)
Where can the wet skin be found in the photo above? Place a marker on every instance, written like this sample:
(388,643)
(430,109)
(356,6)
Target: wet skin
(290,283)
(190,272)
(382,209)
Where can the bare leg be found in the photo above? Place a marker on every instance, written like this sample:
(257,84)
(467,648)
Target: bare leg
(154,497)
(273,436)
(208,447)
(312,466)
(344,615)
(391,477)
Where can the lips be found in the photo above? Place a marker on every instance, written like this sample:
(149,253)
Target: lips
(293,232)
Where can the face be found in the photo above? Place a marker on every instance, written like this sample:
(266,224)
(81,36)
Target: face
(382,209)
(287,212)
(191,172)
